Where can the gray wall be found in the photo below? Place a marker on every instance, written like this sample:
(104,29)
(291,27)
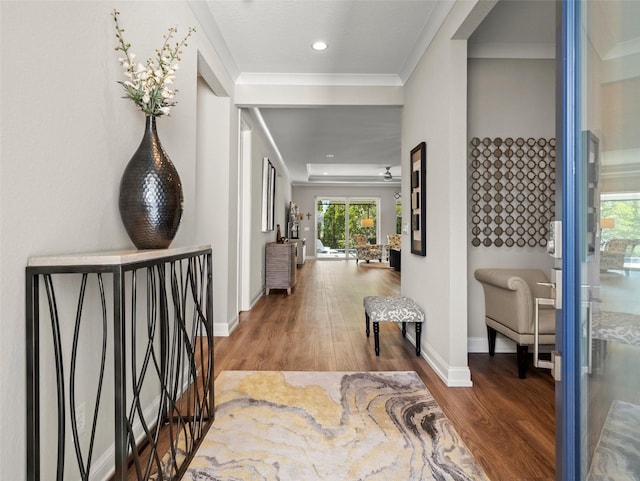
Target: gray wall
(507,98)
(63,152)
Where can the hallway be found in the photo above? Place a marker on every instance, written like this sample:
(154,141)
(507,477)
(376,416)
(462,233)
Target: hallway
(508,423)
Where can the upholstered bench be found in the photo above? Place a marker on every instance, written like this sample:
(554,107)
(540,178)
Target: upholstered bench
(392,309)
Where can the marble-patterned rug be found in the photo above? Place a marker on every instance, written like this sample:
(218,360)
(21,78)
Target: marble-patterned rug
(621,327)
(304,426)
(617,455)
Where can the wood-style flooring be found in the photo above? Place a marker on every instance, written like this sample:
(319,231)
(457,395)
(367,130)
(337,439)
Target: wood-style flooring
(508,423)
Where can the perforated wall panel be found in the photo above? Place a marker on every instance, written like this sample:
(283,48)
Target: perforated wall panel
(511,191)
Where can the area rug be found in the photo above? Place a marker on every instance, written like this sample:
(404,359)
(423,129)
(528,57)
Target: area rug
(335,426)
(617,455)
(621,327)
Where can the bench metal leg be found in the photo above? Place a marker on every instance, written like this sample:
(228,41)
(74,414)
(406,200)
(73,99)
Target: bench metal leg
(366,320)
(418,335)
(404,329)
(376,337)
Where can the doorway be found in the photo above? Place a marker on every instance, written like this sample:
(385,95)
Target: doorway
(337,219)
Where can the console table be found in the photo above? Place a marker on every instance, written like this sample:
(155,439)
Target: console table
(160,341)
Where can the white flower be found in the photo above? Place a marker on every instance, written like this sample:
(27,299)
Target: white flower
(147,83)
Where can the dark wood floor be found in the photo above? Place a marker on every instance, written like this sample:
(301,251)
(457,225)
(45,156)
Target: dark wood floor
(508,423)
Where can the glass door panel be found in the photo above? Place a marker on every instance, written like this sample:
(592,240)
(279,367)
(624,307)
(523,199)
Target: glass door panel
(363,219)
(607,214)
(330,228)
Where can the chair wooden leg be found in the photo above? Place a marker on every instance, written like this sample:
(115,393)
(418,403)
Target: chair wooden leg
(522,360)
(376,337)
(491,333)
(404,329)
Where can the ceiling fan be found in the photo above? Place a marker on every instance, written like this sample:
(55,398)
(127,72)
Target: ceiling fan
(387,175)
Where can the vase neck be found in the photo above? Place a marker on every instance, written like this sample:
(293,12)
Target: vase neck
(151,123)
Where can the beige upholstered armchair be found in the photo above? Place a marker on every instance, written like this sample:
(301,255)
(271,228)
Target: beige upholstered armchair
(365,251)
(615,250)
(510,309)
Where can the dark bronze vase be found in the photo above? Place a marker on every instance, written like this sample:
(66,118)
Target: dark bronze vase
(151,199)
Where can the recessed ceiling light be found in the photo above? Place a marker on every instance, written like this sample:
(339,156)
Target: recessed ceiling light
(319,45)
(325,173)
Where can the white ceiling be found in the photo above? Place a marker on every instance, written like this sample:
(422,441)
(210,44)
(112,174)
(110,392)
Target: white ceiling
(369,42)
(365,37)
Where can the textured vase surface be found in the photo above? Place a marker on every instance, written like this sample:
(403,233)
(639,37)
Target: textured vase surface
(151,199)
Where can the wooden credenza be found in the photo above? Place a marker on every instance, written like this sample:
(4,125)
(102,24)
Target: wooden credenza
(281,266)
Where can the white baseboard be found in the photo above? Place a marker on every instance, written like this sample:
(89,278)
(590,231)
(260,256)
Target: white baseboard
(481,344)
(257,297)
(221,329)
(503,345)
(451,376)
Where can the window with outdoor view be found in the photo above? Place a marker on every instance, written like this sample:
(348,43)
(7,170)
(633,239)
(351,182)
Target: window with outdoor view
(619,216)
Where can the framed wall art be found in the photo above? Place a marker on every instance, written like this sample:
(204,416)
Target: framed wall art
(418,169)
(268,195)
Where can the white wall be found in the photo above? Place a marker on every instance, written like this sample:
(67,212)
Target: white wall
(507,98)
(261,147)
(305,197)
(66,136)
(435,112)
(216,204)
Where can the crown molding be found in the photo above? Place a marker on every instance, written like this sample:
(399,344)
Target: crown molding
(434,21)
(211,30)
(373,80)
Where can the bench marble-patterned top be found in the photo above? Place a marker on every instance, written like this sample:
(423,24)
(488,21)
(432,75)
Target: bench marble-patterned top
(393,309)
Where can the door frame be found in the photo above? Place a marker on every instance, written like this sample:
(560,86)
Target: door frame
(568,399)
(347,200)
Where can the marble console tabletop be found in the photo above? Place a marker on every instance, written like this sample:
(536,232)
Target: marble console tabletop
(109,258)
